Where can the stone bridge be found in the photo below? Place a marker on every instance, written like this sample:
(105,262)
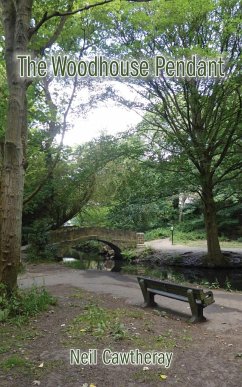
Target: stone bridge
(117,239)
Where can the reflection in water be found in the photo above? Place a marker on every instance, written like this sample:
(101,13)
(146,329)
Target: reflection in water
(69,259)
(206,277)
(96,262)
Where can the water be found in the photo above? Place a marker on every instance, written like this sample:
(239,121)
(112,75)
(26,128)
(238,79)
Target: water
(224,278)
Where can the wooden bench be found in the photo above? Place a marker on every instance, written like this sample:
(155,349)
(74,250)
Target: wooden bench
(197,298)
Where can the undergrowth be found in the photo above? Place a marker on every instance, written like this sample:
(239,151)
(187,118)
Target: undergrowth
(179,234)
(23,303)
(98,322)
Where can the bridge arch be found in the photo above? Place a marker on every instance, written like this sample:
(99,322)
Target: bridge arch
(116,239)
(116,249)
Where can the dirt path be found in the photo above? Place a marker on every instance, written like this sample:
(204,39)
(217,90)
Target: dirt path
(204,355)
(225,313)
(41,350)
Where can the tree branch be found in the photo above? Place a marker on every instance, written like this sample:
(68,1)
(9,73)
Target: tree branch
(46,178)
(47,17)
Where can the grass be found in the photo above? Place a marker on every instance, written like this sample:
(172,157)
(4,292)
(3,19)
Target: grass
(15,349)
(16,364)
(179,235)
(99,322)
(158,233)
(4,348)
(101,325)
(15,361)
(23,304)
(19,332)
(98,325)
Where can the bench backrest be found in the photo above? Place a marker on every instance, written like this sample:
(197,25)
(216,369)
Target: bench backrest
(171,288)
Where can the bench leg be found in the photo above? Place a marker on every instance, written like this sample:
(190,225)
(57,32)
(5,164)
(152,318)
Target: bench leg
(197,309)
(148,297)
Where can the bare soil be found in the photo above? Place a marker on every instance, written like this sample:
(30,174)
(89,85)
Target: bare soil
(200,357)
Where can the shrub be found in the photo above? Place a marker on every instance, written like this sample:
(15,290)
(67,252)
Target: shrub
(23,304)
(38,239)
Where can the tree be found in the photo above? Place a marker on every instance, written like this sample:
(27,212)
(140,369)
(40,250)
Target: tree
(196,118)
(22,22)
(71,184)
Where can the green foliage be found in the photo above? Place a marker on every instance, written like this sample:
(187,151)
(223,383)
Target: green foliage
(98,322)
(158,233)
(178,234)
(194,125)
(77,265)
(130,195)
(131,184)
(23,304)
(214,285)
(15,361)
(211,285)
(229,215)
(119,331)
(227,285)
(38,239)
(129,255)
(71,183)
(181,236)
(93,215)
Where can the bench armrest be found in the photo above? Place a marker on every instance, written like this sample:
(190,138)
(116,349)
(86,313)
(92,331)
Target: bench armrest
(208,298)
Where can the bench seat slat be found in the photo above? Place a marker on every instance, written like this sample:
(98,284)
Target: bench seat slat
(168,289)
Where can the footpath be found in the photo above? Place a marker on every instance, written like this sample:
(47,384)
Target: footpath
(165,246)
(224,314)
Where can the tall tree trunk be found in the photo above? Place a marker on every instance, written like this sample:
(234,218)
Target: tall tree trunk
(16,19)
(215,257)
(12,191)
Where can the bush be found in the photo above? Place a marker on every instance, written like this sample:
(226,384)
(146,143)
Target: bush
(158,233)
(23,304)
(180,235)
(129,254)
(38,239)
